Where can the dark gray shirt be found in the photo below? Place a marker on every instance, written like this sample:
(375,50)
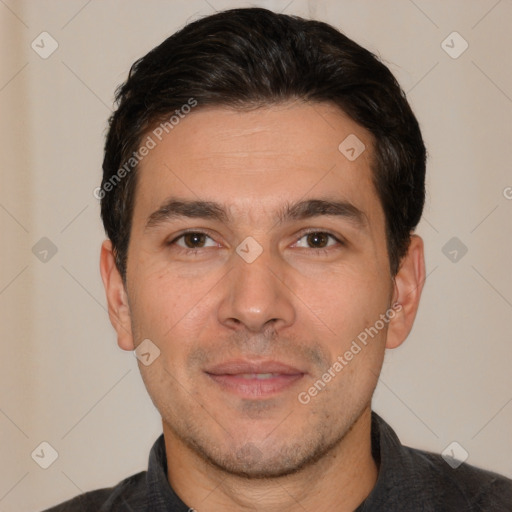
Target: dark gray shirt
(409,480)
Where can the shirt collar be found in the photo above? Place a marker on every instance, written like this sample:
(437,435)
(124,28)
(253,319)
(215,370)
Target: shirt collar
(161,496)
(401,472)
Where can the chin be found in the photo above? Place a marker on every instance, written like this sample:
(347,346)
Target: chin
(253,461)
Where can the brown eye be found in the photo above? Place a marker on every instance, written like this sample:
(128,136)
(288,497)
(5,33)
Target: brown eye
(317,240)
(194,240)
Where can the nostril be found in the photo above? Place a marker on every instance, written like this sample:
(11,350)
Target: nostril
(234,321)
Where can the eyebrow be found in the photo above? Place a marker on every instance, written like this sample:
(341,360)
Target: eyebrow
(318,207)
(174,208)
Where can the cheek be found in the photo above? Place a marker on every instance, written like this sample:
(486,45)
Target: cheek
(347,301)
(165,306)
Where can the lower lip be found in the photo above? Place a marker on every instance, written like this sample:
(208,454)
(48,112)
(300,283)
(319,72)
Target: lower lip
(256,388)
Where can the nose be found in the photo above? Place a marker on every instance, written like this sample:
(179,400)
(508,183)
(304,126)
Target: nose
(254,295)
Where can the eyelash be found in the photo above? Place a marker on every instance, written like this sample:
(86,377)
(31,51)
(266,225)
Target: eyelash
(188,249)
(322,251)
(317,251)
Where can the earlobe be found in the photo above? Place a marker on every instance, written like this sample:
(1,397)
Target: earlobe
(117,299)
(408,287)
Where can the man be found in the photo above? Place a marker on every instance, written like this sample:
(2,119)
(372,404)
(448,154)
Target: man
(263,177)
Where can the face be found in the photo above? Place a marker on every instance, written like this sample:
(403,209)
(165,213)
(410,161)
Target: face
(257,257)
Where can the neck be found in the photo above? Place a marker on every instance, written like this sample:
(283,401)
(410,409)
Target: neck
(340,481)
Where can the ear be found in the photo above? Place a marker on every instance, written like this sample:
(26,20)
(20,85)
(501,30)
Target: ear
(118,308)
(408,287)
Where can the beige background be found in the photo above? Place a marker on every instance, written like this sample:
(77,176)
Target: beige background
(62,378)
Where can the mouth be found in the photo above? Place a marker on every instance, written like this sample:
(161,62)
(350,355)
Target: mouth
(255,380)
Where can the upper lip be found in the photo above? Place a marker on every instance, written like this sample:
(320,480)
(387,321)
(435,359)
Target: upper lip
(241,366)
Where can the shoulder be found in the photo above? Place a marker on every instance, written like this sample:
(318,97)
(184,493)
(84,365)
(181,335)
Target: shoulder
(413,479)
(128,495)
(477,489)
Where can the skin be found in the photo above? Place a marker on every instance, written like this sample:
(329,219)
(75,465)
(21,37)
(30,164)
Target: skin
(237,444)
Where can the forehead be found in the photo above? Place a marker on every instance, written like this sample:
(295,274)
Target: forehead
(253,161)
